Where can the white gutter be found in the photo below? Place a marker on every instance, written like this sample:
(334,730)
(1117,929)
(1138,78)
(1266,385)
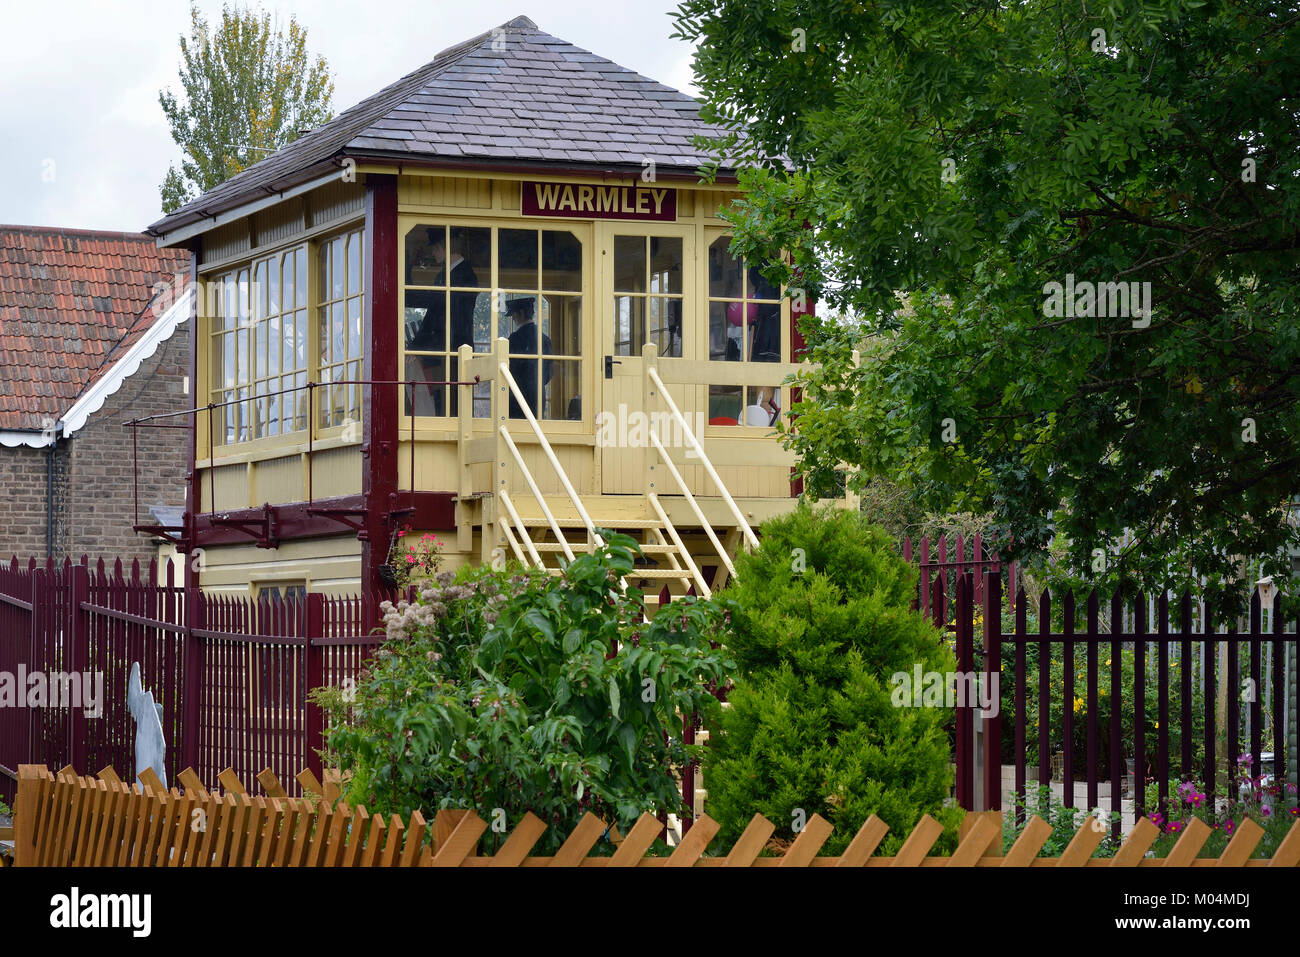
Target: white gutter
(94,398)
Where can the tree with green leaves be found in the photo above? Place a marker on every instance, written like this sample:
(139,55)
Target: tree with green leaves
(1067,234)
(249,87)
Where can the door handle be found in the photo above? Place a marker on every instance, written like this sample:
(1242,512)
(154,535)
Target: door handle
(610,362)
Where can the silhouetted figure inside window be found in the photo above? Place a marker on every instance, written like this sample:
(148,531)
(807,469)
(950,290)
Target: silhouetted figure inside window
(524,340)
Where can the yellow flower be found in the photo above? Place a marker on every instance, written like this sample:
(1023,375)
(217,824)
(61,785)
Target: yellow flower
(1078,705)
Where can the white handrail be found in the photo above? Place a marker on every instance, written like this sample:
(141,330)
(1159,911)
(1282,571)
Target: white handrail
(690,500)
(694,442)
(505,527)
(706,592)
(537,494)
(524,407)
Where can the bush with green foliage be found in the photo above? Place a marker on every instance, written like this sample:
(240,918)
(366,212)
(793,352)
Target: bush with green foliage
(821,619)
(497,690)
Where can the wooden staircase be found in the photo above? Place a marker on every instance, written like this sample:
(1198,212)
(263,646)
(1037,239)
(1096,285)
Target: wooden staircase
(688,555)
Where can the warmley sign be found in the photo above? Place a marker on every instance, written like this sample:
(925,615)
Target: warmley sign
(580,201)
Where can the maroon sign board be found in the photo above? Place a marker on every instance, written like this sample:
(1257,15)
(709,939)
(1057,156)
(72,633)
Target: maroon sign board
(646,202)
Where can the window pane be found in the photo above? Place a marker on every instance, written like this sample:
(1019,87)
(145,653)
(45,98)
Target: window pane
(724,404)
(273,344)
(338,271)
(629,325)
(429,399)
(426,251)
(561,391)
(300,277)
(562,323)
(354,327)
(519,324)
(244,297)
(426,320)
(757,287)
(338,332)
(666,264)
(726,330)
(629,263)
(354,263)
(470,257)
(765,334)
(300,330)
(665,325)
(561,261)
(725,274)
(273,285)
(257,294)
(518,264)
(764,405)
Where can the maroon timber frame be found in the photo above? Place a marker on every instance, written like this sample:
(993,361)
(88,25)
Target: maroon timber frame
(379,415)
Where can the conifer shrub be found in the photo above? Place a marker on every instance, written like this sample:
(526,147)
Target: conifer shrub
(821,619)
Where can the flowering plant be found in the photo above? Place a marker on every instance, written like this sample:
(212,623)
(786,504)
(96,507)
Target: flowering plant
(412,558)
(1252,797)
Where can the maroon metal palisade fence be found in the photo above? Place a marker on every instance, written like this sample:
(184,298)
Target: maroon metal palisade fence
(231,678)
(1162,725)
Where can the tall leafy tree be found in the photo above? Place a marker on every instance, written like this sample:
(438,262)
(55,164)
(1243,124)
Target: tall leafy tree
(949,160)
(249,87)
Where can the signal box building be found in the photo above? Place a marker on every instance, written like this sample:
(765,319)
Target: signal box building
(493,302)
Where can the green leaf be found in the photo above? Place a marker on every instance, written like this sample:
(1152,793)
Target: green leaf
(614,698)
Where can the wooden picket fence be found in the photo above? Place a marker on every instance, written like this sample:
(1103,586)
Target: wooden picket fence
(66,820)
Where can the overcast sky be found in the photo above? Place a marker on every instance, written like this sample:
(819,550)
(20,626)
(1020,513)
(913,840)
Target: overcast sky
(83,141)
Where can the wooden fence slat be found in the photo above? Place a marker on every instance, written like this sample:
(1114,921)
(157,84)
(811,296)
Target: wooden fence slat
(977,841)
(1137,844)
(395,833)
(1288,852)
(692,846)
(271,784)
(864,843)
(374,841)
(751,842)
(149,778)
(256,815)
(1244,841)
(230,782)
(1189,845)
(918,843)
(521,840)
(1029,843)
(638,841)
(320,834)
(816,831)
(301,836)
(356,836)
(414,840)
(462,840)
(580,841)
(1085,841)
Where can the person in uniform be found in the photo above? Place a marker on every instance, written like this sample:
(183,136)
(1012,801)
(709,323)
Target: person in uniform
(524,340)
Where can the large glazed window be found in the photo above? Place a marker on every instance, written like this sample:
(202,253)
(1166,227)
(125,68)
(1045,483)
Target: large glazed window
(259,347)
(340,300)
(465,285)
(744,326)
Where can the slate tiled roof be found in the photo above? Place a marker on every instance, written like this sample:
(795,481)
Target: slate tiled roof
(72,302)
(512,95)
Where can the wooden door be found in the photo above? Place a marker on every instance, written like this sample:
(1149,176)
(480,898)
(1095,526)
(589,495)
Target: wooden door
(645,292)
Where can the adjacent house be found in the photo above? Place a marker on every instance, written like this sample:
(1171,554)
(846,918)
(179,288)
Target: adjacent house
(494,303)
(89,340)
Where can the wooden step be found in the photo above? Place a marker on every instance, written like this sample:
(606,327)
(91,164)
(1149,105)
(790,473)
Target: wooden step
(556,547)
(539,521)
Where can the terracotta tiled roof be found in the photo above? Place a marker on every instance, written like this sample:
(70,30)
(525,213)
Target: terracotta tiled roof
(512,95)
(72,302)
